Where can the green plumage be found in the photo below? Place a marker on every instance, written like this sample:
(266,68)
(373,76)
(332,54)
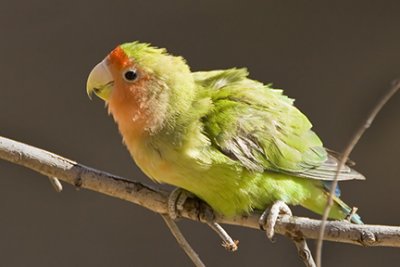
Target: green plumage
(270,143)
(234,142)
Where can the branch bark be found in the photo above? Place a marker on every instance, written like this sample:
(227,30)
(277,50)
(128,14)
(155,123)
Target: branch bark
(71,172)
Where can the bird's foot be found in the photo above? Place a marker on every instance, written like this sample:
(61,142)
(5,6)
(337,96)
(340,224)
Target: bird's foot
(176,200)
(269,217)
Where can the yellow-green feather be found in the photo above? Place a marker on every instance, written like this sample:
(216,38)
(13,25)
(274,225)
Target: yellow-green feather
(234,142)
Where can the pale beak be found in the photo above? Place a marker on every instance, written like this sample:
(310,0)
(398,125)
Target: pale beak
(100,81)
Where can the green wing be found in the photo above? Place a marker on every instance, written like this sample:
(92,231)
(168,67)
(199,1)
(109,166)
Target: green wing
(252,123)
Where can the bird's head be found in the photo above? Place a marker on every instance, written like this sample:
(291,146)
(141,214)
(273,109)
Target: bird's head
(144,87)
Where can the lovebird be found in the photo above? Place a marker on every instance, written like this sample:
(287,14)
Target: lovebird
(234,142)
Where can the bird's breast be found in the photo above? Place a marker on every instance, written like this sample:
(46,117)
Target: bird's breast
(155,163)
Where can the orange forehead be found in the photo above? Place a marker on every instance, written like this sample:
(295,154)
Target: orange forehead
(118,57)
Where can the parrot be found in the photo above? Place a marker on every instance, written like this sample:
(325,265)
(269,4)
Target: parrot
(236,143)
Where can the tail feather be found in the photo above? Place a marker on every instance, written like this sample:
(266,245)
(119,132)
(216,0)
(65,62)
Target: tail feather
(355,218)
(339,211)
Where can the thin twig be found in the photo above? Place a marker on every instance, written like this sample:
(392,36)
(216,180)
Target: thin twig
(349,148)
(71,172)
(227,241)
(56,184)
(183,243)
(304,252)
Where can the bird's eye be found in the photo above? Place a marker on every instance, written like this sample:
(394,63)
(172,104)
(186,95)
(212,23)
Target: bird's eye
(130,75)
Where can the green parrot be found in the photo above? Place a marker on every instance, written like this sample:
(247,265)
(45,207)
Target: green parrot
(234,142)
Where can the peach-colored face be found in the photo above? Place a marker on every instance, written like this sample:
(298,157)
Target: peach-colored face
(129,78)
(133,96)
(130,96)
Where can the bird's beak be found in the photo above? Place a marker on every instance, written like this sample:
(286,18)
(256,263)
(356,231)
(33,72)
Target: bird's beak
(100,81)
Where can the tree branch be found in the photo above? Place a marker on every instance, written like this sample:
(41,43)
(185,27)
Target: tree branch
(71,172)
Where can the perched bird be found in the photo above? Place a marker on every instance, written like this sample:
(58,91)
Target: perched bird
(234,142)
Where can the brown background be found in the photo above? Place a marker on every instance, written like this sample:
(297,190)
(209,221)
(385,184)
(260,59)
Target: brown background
(336,58)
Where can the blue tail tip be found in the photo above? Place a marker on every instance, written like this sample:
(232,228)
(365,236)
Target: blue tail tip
(355,218)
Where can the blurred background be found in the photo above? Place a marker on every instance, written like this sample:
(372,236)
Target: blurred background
(335,57)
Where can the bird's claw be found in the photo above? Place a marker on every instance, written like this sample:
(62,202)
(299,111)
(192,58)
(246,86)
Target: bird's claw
(176,200)
(269,217)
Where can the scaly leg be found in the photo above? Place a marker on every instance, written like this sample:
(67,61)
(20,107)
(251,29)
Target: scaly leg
(176,200)
(268,218)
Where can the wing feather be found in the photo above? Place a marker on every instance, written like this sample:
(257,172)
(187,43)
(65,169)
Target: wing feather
(257,125)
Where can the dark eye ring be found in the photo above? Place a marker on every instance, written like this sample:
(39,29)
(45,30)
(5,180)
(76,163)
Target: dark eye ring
(130,75)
